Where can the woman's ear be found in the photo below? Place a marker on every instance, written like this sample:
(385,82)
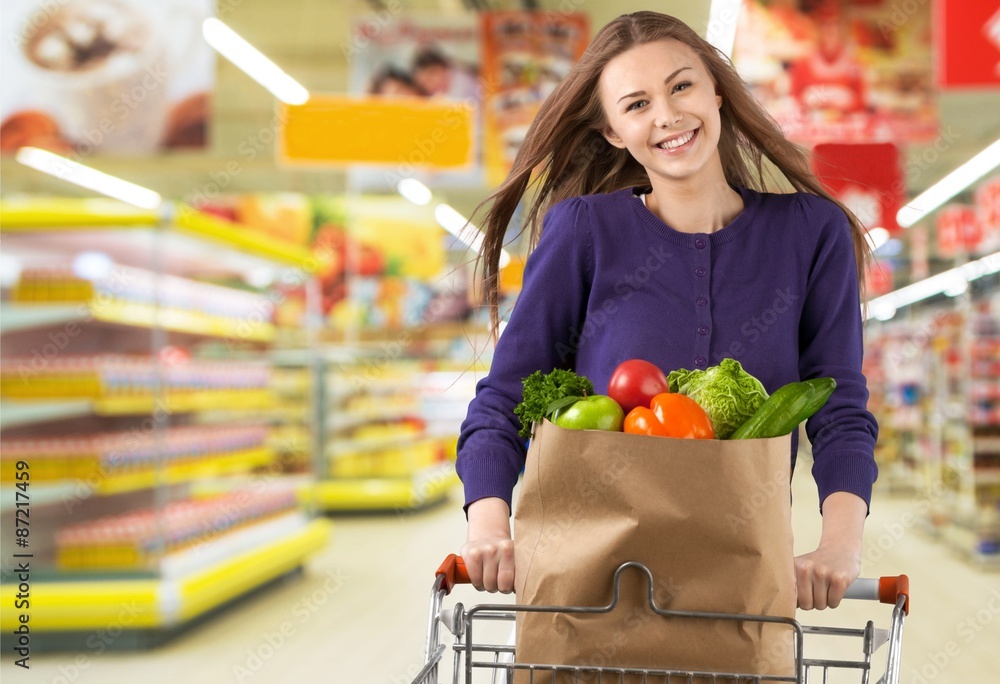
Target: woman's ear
(612,137)
(718,101)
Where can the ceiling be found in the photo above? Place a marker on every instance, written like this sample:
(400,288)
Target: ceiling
(308,38)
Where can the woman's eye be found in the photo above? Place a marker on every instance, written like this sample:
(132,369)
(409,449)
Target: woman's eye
(682,86)
(635,105)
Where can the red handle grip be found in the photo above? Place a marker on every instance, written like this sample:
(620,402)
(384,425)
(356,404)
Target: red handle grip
(452,572)
(891,588)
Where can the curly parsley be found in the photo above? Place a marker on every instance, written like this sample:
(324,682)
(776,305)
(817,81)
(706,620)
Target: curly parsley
(543,394)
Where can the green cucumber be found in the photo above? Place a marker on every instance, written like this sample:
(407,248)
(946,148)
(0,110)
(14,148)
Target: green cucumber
(788,406)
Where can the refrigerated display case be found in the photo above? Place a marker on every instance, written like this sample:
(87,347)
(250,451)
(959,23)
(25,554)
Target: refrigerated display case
(148,454)
(393,407)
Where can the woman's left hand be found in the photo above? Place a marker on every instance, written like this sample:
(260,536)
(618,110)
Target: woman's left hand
(822,577)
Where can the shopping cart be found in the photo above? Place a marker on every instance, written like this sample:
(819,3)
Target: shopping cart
(475,662)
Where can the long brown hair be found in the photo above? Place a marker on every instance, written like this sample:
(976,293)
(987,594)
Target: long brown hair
(564,144)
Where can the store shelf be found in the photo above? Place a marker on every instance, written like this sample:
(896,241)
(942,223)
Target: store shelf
(344,446)
(22,317)
(16,413)
(65,215)
(383,494)
(98,485)
(35,410)
(349,419)
(177,599)
(425,333)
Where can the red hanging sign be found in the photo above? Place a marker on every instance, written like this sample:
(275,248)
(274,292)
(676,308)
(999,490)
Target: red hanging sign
(879,278)
(865,177)
(957,230)
(988,213)
(968,43)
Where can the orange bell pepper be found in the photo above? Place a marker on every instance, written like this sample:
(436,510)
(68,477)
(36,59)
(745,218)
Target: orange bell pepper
(670,415)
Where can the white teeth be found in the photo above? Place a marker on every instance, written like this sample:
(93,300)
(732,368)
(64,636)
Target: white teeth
(677,142)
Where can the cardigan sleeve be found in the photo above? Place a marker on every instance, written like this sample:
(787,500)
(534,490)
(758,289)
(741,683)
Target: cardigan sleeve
(843,433)
(538,337)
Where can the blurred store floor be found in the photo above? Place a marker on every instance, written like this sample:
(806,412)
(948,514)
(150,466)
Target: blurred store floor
(359,613)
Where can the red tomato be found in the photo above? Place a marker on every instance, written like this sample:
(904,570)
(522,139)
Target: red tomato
(681,416)
(635,382)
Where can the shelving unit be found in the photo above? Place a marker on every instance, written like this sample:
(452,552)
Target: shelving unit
(944,437)
(159,473)
(392,422)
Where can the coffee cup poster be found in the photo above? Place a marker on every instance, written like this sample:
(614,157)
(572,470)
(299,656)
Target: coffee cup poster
(114,77)
(841,70)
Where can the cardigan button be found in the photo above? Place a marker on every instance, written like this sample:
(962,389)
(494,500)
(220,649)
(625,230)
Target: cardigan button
(700,243)
(700,361)
(700,271)
(701,301)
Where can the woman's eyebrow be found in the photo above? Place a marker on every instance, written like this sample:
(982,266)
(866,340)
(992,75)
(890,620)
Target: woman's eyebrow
(668,79)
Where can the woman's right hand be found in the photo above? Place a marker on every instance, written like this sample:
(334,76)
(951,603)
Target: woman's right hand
(489,550)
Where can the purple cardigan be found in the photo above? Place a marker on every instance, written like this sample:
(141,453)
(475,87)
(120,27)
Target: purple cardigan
(775,289)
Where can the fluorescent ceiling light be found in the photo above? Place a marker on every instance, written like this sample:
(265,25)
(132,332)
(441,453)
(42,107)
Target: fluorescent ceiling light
(456,224)
(230,45)
(949,186)
(952,282)
(415,191)
(86,177)
(722,18)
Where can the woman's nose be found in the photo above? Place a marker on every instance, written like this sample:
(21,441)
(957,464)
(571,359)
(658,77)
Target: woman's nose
(665,116)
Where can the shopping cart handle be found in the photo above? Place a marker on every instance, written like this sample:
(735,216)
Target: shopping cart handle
(452,572)
(884,589)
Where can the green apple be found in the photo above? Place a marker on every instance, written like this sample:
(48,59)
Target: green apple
(597,412)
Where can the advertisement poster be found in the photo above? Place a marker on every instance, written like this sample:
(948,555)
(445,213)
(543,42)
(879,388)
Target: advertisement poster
(841,70)
(426,58)
(525,56)
(968,43)
(116,77)
(866,177)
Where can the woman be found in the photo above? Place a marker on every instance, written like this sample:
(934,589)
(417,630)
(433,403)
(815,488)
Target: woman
(659,243)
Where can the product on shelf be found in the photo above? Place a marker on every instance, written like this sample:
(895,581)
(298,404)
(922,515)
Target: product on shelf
(125,285)
(945,402)
(113,375)
(137,539)
(146,437)
(98,458)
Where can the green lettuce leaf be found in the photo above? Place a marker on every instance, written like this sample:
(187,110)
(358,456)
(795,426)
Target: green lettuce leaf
(727,393)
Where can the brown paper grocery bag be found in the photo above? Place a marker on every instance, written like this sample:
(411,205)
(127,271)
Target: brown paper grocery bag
(709,518)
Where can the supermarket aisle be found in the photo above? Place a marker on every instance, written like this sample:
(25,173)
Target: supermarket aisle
(359,614)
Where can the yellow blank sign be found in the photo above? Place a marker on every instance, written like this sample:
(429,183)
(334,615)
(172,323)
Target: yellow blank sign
(340,130)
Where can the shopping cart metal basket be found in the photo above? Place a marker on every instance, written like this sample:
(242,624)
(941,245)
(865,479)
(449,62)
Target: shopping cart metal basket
(481,662)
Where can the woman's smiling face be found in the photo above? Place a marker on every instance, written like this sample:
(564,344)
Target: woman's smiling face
(661,105)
